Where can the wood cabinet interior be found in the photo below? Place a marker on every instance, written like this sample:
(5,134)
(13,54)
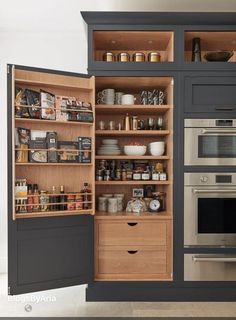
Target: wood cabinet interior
(134,41)
(211,41)
(71,175)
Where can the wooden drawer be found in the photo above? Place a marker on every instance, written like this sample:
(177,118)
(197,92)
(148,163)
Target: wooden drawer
(123,263)
(132,233)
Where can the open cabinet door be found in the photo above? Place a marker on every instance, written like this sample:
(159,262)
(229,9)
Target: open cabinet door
(49,246)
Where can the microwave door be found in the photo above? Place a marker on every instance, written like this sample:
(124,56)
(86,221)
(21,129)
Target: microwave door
(210,146)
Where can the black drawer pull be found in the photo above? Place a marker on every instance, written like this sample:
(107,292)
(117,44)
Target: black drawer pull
(224,108)
(132,251)
(132,224)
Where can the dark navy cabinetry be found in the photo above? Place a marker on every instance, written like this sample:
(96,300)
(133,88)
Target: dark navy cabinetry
(200,90)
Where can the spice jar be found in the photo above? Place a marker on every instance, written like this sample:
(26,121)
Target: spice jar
(145,175)
(137,175)
(163,176)
(78,202)
(71,202)
(154,57)
(108,57)
(112,205)
(123,57)
(102,204)
(44,200)
(138,57)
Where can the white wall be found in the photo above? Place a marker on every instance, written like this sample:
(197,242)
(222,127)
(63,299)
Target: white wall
(51,34)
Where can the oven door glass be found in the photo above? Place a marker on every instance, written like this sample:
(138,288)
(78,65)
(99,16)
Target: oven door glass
(216,146)
(216,215)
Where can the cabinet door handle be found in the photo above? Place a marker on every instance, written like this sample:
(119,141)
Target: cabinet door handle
(224,108)
(132,251)
(132,224)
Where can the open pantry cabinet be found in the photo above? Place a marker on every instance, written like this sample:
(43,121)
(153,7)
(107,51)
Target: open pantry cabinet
(68,240)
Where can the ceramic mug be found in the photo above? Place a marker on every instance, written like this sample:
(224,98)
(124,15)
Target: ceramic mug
(128,99)
(118,97)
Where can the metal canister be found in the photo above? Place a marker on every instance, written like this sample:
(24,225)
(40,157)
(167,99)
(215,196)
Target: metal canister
(108,57)
(154,57)
(138,57)
(71,202)
(44,200)
(123,57)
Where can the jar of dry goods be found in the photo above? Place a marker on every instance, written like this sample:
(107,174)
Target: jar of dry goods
(154,57)
(112,205)
(108,57)
(138,57)
(123,57)
(120,201)
(102,204)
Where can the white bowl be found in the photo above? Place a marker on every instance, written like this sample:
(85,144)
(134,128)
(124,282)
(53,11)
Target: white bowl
(157,153)
(157,143)
(135,150)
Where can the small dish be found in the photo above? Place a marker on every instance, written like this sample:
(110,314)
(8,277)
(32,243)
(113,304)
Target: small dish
(218,56)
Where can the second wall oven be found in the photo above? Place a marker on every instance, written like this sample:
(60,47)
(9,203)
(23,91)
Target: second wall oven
(210,209)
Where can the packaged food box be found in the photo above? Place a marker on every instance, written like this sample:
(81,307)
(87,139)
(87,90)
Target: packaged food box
(48,105)
(51,140)
(38,152)
(84,143)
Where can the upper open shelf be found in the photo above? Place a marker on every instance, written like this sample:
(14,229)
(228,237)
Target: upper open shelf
(131,42)
(210,43)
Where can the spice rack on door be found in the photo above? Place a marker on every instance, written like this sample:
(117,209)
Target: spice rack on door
(70,175)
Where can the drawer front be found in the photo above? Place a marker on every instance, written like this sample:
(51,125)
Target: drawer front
(209,267)
(132,233)
(124,261)
(210,94)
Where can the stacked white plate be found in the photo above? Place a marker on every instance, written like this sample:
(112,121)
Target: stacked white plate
(109,147)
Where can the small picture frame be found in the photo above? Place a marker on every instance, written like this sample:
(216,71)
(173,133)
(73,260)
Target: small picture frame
(138,193)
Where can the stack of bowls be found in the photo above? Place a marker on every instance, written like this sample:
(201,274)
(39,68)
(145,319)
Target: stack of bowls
(157,148)
(109,147)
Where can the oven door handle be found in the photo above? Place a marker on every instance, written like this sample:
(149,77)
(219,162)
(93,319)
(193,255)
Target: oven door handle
(201,259)
(214,190)
(219,131)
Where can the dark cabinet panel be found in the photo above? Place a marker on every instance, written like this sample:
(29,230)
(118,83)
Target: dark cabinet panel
(214,93)
(51,255)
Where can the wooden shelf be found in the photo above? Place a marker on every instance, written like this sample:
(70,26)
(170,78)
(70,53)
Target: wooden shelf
(51,84)
(134,133)
(132,182)
(132,216)
(19,120)
(137,109)
(52,214)
(124,157)
(52,164)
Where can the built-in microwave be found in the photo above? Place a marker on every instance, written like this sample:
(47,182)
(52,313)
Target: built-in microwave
(210,209)
(210,142)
